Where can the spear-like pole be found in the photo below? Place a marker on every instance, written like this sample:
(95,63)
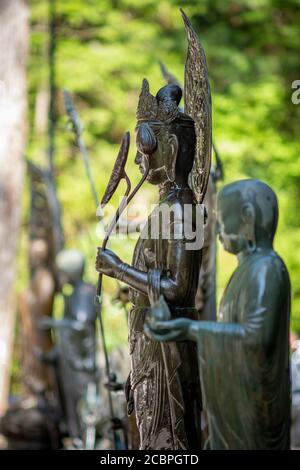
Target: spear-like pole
(77,128)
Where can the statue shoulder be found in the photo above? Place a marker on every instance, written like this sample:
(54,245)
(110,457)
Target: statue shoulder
(269,267)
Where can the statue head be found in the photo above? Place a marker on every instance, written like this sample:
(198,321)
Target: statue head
(247,216)
(70,265)
(164,135)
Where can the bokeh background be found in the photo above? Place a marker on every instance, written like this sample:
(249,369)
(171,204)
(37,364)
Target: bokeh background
(106,47)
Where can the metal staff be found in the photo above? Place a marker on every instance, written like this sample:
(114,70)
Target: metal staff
(117,175)
(77,128)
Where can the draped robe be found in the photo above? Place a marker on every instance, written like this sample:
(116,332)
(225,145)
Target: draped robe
(165,377)
(244,358)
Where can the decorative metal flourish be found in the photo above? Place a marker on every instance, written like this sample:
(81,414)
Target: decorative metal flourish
(197,104)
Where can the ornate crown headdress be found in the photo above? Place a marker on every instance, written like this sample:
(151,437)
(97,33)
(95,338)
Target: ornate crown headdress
(197,109)
(161,109)
(151,109)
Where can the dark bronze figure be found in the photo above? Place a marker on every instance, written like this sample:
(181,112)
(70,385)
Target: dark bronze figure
(244,357)
(171,147)
(75,352)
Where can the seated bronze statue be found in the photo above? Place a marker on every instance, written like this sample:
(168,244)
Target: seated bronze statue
(244,357)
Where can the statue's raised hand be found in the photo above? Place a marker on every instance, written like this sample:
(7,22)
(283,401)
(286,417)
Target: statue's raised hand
(107,262)
(172,330)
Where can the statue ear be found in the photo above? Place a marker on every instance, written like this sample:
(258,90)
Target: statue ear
(248,219)
(248,213)
(173,143)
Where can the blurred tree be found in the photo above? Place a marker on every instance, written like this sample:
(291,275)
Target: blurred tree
(13,54)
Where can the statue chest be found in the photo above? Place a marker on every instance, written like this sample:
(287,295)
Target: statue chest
(234,300)
(151,248)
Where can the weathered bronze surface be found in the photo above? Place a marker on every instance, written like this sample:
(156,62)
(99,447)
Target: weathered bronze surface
(171,146)
(244,357)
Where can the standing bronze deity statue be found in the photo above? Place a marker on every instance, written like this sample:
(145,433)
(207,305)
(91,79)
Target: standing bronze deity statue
(244,357)
(174,150)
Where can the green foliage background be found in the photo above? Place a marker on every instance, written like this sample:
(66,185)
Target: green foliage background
(106,47)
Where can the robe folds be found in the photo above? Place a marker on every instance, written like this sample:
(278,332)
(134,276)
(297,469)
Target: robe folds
(165,377)
(244,358)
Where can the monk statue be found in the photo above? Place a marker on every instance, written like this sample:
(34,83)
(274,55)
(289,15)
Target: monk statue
(75,351)
(244,357)
(174,147)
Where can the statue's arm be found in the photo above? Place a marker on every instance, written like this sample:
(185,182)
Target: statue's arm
(183,329)
(174,284)
(197,328)
(259,307)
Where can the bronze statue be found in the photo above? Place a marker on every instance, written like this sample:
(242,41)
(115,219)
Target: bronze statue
(174,150)
(244,357)
(75,352)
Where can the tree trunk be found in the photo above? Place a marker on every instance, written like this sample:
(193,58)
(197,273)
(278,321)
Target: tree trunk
(13,54)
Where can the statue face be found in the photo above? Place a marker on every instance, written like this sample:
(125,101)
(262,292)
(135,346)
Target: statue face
(230,225)
(163,160)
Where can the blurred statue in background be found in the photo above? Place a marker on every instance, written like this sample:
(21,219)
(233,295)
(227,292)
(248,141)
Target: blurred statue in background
(75,351)
(45,241)
(33,420)
(244,358)
(164,388)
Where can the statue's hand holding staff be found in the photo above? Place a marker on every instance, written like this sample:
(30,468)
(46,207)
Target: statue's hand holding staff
(107,262)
